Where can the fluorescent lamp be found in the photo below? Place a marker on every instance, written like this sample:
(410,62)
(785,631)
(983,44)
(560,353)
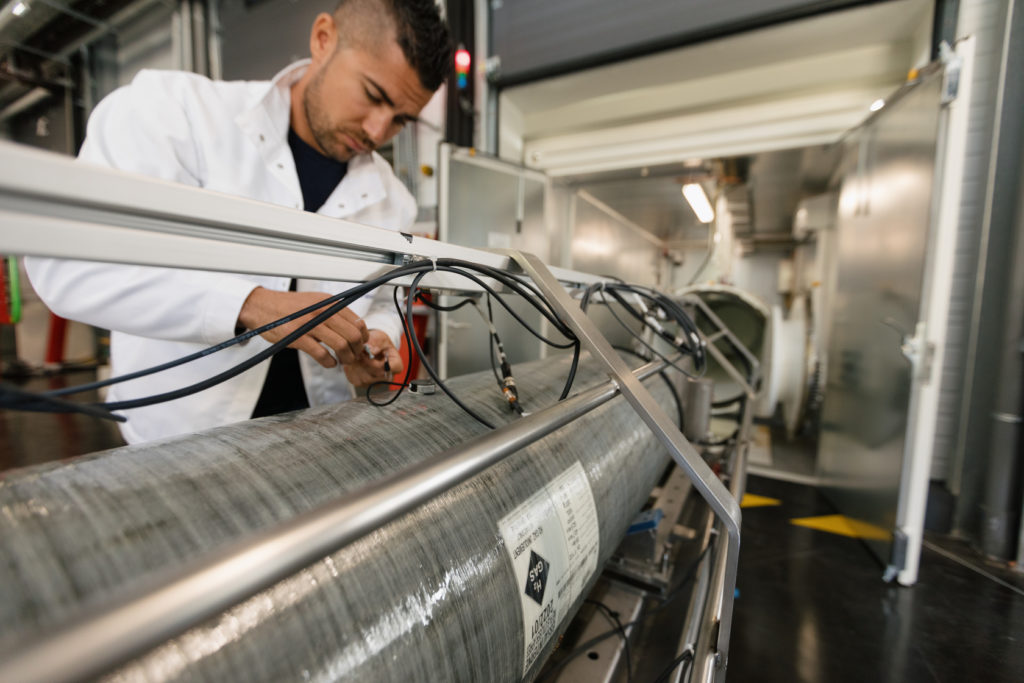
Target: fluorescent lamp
(19,8)
(698,200)
(876,105)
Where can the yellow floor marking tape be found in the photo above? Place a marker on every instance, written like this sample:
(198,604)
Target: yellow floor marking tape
(751,500)
(844,526)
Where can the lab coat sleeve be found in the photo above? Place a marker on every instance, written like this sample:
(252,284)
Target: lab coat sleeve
(144,128)
(383,316)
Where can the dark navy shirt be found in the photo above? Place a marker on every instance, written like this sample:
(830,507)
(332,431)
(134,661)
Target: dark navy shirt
(318,175)
(283,389)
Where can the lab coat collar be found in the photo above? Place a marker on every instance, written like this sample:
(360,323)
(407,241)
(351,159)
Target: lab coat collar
(266,124)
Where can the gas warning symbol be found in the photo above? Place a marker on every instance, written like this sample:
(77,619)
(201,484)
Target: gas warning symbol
(537,577)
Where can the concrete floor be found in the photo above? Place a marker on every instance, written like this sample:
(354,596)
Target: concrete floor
(812,606)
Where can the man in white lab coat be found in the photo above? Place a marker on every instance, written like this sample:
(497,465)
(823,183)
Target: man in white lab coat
(303,140)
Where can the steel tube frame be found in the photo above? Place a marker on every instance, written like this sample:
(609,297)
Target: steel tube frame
(710,487)
(724,331)
(167,606)
(704,669)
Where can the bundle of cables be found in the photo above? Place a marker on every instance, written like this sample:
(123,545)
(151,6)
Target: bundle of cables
(653,310)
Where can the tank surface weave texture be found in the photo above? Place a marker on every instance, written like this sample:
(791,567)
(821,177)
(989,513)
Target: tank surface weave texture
(430,597)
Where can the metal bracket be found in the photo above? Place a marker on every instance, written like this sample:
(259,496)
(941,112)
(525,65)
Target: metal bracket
(723,332)
(920,352)
(898,561)
(710,487)
(951,77)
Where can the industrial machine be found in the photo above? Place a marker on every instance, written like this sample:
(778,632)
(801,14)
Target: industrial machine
(414,541)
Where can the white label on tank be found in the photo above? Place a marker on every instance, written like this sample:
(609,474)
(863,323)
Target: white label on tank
(553,541)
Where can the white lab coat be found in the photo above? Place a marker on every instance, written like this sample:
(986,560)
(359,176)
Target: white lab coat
(230,137)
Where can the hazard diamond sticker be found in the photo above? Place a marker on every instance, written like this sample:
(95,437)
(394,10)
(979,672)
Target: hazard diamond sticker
(537,577)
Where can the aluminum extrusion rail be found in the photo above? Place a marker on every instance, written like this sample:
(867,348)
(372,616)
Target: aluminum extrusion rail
(52,206)
(710,487)
(100,641)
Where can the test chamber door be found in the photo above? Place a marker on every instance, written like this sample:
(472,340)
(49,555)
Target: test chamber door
(885,214)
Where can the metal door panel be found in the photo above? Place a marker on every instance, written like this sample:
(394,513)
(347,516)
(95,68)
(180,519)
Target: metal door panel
(883,227)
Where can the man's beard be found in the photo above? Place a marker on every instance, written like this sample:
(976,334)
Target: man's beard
(320,125)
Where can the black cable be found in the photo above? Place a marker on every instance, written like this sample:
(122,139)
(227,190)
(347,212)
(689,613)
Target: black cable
(406,331)
(576,349)
(506,382)
(528,291)
(238,339)
(239,368)
(414,294)
(683,659)
(348,295)
(647,346)
(331,305)
(559,325)
(668,381)
(429,368)
(421,297)
(335,303)
(613,617)
(666,601)
(490,346)
(13,397)
(689,341)
(508,281)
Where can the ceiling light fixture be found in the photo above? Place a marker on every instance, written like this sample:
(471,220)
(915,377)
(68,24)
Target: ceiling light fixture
(19,8)
(698,201)
(876,105)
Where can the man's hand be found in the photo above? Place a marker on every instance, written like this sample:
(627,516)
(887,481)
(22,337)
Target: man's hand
(365,371)
(344,333)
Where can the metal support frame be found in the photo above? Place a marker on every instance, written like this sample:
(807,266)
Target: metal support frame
(726,508)
(723,332)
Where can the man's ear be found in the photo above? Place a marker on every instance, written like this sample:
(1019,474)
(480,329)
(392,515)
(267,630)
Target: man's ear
(323,39)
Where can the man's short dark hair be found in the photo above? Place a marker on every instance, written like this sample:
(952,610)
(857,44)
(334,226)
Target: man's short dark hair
(420,31)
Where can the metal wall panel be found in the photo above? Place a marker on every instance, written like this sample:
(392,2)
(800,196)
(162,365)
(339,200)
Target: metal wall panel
(535,38)
(984,19)
(490,204)
(884,219)
(260,39)
(604,244)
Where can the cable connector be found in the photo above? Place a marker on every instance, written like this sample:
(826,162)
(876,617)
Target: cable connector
(508,387)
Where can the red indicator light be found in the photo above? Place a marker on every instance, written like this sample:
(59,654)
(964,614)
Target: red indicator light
(463,60)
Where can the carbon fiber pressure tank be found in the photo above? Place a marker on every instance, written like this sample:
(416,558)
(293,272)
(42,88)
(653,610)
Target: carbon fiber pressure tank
(437,595)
